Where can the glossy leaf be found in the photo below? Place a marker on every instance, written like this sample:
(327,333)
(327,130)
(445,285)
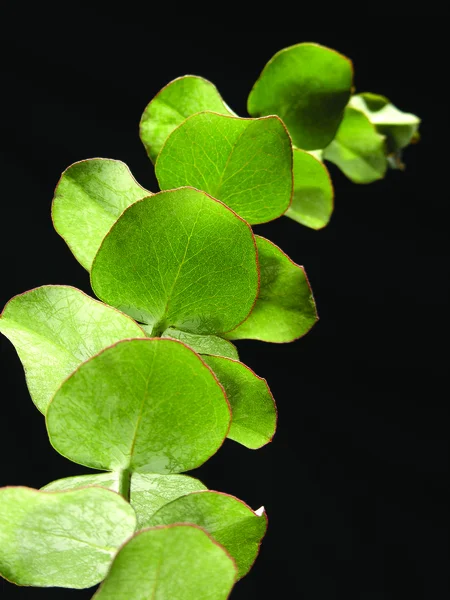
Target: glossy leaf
(230,522)
(204,344)
(285,309)
(312,204)
(308,86)
(400,128)
(358,150)
(147,405)
(179,259)
(180,562)
(176,102)
(254,417)
(89,198)
(54,329)
(148,492)
(245,163)
(64,539)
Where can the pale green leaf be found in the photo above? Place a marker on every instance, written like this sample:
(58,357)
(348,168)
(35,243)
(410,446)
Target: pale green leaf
(180,99)
(285,309)
(204,344)
(358,149)
(54,328)
(400,128)
(179,259)
(63,539)
(230,522)
(148,405)
(180,562)
(245,163)
(308,86)
(89,198)
(253,408)
(312,204)
(148,491)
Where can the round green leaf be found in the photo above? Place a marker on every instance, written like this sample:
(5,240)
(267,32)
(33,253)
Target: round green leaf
(180,562)
(358,150)
(204,344)
(312,204)
(230,522)
(180,99)
(148,405)
(308,86)
(179,259)
(54,329)
(285,309)
(245,163)
(63,539)
(253,408)
(89,198)
(110,481)
(400,128)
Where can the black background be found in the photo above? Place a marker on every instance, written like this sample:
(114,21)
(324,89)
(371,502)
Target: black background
(354,481)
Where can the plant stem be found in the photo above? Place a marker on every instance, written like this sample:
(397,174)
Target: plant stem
(124,484)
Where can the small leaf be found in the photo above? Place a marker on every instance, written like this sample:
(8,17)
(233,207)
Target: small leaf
(180,562)
(312,204)
(400,128)
(308,86)
(179,259)
(54,329)
(285,308)
(230,522)
(89,198)
(110,481)
(253,408)
(204,344)
(63,539)
(245,163)
(358,150)
(180,99)
(148,492)
(149,405)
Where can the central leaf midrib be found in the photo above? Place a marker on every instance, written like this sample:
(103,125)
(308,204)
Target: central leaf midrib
(233,148)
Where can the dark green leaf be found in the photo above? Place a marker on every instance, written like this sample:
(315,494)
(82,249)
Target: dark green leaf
(180,562)
(179,259)
(312,204)
(254,417)
(180,99)
(230,522)
(285,309)
(89,198)
(64,539)
(358,150)
(148,405)
(308,86)
(245,163)
(55,328)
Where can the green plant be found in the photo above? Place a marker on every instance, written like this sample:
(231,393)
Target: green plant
(147,384)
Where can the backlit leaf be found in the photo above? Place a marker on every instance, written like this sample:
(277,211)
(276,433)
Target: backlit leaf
(89,198)
(63,539)
(179,259)
(312,204)
(180,562)
(149,405)
(285,308)
(55,328)
(308,86)
(245,163)
(180,99)
(254,417)
(230,522)
(358,149)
